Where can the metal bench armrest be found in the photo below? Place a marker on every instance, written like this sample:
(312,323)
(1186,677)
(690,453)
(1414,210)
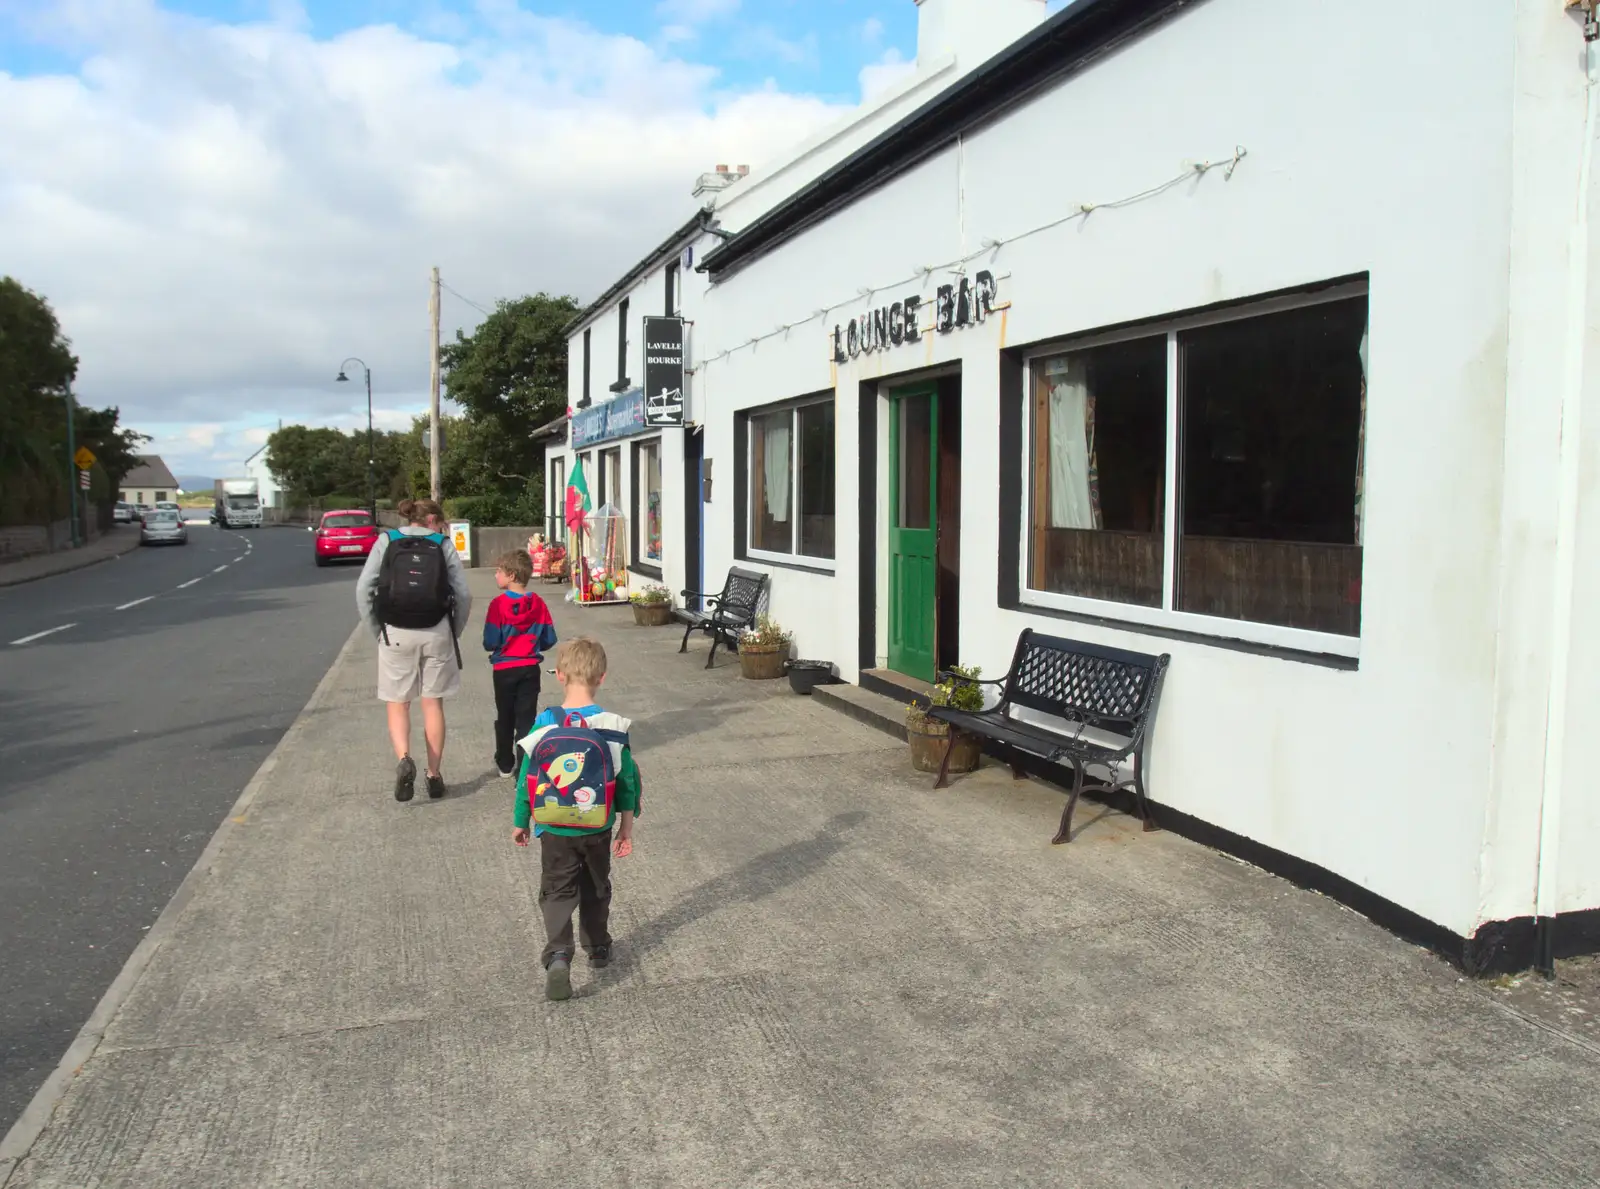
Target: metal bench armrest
(959,679)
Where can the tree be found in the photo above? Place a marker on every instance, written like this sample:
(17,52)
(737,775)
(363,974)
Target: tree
(509,377)
(37,368)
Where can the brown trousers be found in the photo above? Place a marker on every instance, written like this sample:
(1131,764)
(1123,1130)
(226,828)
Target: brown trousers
(575,873)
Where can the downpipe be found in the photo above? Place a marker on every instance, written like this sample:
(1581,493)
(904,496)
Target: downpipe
(1569,468)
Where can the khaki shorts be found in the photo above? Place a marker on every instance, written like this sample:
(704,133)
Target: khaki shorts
(418,663)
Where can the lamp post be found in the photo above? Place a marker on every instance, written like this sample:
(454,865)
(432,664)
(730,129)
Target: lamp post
(372,498)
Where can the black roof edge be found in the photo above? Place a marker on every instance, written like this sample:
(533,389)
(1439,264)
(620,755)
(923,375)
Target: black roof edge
(703,219)
(1063,45)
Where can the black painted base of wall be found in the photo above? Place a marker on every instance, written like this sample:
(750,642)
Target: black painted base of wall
(1498,947)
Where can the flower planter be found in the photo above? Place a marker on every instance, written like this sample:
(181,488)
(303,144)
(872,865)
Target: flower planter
(761,662)
(928,739)
(805,676)
(652,615)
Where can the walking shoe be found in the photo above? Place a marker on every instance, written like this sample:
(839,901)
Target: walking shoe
(507,773)
(405,779)
(558,979)
(435,787)
(600,956)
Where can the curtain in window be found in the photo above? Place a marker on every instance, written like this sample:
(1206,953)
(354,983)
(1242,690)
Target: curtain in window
(1361,441)
(777,468)
(1071,498)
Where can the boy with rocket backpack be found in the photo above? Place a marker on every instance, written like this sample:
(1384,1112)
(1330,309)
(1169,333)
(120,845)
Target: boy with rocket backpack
(576,779)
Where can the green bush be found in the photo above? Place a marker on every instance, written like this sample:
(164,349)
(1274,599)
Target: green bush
(495,510)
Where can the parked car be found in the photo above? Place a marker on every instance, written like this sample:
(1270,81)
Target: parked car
(168,506)
(163,527)
(345,535)
(123,512)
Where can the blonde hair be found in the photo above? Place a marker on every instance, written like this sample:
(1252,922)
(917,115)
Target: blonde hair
(517,564)
(582,660)
(419,511)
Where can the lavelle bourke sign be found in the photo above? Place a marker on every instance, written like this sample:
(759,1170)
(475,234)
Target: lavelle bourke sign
(663,371)
(905,321)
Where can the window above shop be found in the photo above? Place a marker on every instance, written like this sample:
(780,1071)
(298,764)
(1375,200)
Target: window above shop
(789,453)
(1206,470)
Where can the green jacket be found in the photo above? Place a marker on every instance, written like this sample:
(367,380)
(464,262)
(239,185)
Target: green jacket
(629,790)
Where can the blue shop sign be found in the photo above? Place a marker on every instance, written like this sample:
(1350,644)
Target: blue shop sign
(619,418)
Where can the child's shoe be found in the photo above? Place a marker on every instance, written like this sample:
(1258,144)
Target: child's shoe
(558,979)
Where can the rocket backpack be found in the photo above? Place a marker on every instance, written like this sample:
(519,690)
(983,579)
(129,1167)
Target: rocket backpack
(571,770)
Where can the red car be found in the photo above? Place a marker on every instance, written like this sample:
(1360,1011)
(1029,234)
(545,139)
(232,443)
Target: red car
(346,535)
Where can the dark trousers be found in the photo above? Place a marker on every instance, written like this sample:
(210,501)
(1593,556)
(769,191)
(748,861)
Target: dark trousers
(575,873)
(516,704)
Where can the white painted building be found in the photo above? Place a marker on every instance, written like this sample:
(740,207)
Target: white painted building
(255,467)
(1257,334)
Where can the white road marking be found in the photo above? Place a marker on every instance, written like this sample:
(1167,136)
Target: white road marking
(135,602)
(42,635)
(220,568)
(191,582)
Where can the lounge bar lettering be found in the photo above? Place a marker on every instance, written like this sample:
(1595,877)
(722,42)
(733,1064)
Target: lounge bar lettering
(905,321)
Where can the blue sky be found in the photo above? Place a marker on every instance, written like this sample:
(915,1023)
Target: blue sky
(222,199)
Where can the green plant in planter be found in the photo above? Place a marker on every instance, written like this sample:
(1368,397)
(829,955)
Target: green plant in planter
(958,695)
(653,595)
(767,635)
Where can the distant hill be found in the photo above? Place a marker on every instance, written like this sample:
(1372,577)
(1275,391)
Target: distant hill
(194,483)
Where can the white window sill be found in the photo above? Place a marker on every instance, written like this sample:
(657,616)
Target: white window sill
(794,561)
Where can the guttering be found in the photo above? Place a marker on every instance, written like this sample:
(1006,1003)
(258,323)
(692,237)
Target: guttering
(704,220)
(1067,43)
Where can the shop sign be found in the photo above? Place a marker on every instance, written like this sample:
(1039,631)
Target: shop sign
(616,418)
(954,307)
(663,371)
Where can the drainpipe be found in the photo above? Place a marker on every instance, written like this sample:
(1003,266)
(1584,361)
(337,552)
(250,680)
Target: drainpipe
(1569,471)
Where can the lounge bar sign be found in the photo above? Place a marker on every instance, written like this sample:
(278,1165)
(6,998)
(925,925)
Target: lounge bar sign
(663,371)
(953,307)
(615,419)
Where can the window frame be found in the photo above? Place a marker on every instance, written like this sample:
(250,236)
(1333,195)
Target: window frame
(588,335)
(556,499)
(638,562)
(1167,616)
(746,428)
(622,347)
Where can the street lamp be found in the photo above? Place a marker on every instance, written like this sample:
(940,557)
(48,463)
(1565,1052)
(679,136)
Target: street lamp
(341,378)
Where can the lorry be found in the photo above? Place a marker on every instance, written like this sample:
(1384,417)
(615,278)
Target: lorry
(237,503)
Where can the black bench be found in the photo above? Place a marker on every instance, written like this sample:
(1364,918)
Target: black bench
(1090,688)
(726,615)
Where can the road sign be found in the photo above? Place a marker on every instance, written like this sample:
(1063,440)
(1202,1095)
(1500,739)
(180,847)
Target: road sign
(461,537)
(84,458)
(83,480)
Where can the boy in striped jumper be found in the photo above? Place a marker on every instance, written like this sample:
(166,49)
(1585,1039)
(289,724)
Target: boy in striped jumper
(517,632)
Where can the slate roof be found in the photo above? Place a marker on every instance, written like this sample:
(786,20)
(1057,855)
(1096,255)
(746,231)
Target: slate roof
(152,473)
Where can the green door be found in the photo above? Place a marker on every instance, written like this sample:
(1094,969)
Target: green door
(913,530)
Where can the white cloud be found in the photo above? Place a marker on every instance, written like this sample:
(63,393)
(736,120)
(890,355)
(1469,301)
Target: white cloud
(872,31)
(696,12)
(884,73)
(221,214)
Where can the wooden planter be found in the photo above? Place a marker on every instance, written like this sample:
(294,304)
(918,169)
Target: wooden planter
(928,738)
(652,615)
(762,662)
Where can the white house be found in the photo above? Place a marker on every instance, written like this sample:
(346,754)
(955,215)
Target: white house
(1255,334)
(255,467)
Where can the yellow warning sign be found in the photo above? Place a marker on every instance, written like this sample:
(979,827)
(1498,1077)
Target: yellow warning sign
(84,458)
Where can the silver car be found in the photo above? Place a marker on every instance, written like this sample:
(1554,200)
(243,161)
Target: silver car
(163,527)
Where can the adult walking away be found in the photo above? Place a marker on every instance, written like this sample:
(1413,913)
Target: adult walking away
(413,596)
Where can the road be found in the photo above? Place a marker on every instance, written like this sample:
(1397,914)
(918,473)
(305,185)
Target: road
(137,698)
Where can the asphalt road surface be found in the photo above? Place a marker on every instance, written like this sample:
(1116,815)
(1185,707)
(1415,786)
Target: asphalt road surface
(137,698)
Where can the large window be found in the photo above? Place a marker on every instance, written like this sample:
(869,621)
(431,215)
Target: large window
(1253,514)
(791,481)
(556,496)
(647,502)
(611,477)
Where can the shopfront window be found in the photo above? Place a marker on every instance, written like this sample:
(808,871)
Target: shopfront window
(791,481)
(556,500)
(1099,470)
(1266,478)
(647,501)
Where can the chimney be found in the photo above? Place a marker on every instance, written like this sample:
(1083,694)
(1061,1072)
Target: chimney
(973,30)
(719,179)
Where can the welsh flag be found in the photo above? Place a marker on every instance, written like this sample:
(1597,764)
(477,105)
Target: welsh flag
(577,497)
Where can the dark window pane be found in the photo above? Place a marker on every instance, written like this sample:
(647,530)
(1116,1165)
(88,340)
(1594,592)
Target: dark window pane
(347,520)
(772,482)
(816,481)
(916,462)
(1272,445)
(1099,467)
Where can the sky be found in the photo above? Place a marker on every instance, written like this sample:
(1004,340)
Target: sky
(225,199)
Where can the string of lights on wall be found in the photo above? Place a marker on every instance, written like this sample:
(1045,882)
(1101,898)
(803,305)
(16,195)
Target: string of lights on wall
(990,247)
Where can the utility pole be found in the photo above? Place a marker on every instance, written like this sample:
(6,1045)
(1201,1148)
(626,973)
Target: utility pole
(433,373)
(72,465)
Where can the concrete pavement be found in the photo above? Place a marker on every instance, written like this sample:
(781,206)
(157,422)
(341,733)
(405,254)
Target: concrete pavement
(123,538)
(826,975)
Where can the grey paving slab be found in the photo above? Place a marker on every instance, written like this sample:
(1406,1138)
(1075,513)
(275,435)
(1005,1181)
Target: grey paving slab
(827,975)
